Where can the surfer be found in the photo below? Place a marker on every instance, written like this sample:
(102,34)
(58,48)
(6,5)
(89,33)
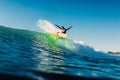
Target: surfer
(63,30)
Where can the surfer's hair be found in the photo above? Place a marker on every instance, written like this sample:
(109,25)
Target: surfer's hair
(63,27)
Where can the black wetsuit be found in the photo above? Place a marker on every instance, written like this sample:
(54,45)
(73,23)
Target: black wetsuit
(63,29)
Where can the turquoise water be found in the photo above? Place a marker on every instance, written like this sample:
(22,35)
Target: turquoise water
(28,55)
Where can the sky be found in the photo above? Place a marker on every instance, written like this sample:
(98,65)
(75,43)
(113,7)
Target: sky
(96,22)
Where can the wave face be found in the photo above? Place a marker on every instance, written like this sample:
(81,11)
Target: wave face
(28,55)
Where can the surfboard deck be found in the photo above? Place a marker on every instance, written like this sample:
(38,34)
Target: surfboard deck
(63,35)
(59,35)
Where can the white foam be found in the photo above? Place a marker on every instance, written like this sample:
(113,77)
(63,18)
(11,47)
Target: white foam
(47,26)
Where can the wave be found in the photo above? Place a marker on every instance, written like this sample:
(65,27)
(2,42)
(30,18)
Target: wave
(31,54)
(46,42)
(70,45)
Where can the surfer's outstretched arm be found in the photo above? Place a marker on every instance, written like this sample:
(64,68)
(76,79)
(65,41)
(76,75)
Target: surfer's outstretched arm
(69,28)
(58,26)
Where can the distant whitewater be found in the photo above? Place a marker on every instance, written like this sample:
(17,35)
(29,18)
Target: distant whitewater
(29,55)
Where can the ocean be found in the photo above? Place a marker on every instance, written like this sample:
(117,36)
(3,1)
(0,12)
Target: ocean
(30,55)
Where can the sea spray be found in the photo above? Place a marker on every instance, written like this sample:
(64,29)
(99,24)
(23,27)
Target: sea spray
(47,26)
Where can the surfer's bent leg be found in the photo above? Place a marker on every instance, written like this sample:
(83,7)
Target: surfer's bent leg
(57,35)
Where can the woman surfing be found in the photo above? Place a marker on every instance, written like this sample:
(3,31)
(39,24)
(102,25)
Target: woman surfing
(62,34)
(63,30)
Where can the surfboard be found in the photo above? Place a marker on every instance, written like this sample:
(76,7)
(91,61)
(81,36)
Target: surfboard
(59,35)
(63,35)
